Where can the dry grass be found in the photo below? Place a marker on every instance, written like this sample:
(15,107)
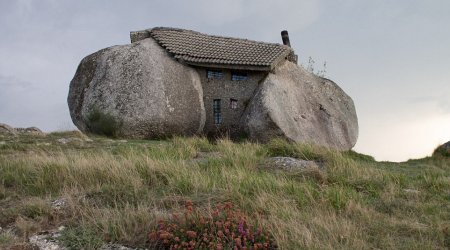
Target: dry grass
(117,191)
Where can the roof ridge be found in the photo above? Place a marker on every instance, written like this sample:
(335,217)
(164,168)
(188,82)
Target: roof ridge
(212,50)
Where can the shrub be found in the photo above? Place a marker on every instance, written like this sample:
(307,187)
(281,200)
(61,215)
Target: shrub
(223,227)
(281,147)
(359,157)
(80,238)
(103,124)
(442,150)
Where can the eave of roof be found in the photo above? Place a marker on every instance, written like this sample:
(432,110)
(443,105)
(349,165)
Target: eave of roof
(204,50)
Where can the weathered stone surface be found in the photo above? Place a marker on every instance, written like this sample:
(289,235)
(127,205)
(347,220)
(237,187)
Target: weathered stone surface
(6,129)
(292,164)
(145,91)
(302,107)
(47,240)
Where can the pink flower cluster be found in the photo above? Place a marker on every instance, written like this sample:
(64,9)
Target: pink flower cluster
(221,227)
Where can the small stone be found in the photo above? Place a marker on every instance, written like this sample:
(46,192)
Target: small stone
(63,140)
(289,163)
(2,142)
(58,204)
(68,140)
(411,191)
(115,247)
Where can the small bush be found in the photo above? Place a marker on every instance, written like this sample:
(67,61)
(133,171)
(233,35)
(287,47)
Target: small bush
(359,157)
(6,237)
(442,151)
(281,147)
(103,124)
(222,228)
(35,208)
(80,238)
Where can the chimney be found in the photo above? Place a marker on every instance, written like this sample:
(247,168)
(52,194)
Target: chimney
(285,37)
(292,56)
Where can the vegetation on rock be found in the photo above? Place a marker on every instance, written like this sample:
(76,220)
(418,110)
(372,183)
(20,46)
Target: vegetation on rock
(103,124)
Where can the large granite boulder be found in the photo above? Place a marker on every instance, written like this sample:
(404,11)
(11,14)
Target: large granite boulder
(136,91)
(302,107)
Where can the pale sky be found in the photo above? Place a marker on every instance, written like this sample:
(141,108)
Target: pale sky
(391,57)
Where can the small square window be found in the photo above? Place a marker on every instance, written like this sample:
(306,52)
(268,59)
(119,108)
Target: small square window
(233,103)
(238,76)
(213,74)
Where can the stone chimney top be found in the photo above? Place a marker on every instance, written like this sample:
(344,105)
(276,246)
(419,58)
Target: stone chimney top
(285,37)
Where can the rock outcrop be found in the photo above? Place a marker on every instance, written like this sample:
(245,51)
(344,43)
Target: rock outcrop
(30,131)
(6,129)
(136,91)
(302,107)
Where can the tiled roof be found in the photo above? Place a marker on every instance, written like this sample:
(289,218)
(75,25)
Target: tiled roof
(205,50)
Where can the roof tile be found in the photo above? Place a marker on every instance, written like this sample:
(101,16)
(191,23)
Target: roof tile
(194,47)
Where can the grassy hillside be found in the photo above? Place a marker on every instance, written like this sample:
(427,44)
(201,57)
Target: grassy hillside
(118,191)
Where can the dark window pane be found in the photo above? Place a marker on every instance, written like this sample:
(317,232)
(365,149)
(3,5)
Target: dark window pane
(211,74)
(237,76)
(217,111)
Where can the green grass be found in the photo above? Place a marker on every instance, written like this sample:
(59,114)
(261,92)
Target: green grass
(81,238)
(116,191)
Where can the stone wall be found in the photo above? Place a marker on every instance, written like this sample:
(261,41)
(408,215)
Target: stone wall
(136,36)
(225,89)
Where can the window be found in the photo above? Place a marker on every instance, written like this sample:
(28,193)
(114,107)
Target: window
(211,74)
(217,112)
(238,76)
(233,103)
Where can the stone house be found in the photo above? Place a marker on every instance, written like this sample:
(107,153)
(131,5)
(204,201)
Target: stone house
(175,82)
(230,70)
